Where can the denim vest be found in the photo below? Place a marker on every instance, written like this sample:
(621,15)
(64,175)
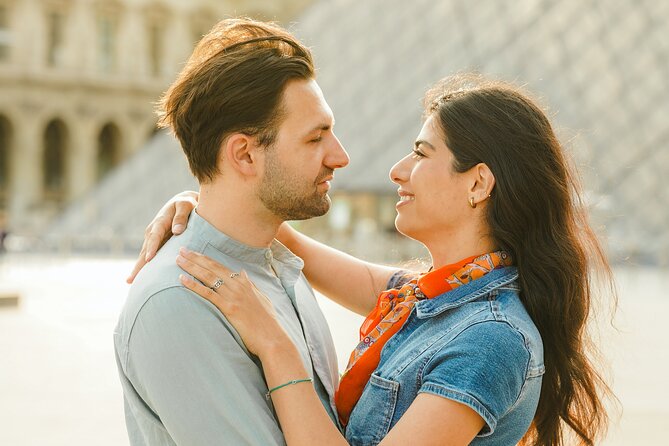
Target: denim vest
(475,345)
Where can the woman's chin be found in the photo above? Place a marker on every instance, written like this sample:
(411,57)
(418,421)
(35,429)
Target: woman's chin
(404,228)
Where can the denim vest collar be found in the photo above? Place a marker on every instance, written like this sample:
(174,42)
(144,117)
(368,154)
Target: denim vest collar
(466,293)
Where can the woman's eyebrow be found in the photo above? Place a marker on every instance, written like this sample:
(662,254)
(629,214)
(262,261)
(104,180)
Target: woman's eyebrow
(425,143)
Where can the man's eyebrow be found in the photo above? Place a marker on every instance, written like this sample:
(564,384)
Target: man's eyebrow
(323,127)
(425,143)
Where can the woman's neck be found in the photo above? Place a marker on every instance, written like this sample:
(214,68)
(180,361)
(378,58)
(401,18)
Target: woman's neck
(453,249)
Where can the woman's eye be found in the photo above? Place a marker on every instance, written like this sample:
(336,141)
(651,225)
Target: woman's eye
(417,154)
(319,139)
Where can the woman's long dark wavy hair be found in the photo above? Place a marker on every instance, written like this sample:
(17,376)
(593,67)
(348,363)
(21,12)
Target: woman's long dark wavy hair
(535,213)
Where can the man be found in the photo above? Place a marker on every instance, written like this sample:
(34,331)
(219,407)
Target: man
(257,134)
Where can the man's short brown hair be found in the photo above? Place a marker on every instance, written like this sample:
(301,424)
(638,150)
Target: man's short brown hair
(233,82)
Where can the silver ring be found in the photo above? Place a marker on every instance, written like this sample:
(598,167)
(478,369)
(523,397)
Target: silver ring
(234,275)
(217,284)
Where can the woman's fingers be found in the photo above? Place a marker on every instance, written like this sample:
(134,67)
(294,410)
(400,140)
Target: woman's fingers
(139,264)
(155,236)
(209,271)
(205,262)
(160,232)
(203,291)
(170,220)
(243,305)
(183,205)
(203,274)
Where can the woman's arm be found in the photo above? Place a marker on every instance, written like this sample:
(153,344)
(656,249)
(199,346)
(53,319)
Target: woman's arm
(347,280)
(351,282)
(302,417)
(430,420)
(305,422)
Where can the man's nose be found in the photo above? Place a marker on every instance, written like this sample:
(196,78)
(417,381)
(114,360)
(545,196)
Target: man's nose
(337,158)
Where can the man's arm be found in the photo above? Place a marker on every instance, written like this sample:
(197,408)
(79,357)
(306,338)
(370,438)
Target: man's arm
(189,366)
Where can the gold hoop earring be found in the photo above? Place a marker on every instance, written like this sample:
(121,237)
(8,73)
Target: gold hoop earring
(471,202)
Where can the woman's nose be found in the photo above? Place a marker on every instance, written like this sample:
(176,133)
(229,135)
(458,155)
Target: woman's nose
(399,172)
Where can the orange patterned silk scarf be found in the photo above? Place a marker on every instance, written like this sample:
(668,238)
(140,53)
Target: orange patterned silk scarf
(392,310)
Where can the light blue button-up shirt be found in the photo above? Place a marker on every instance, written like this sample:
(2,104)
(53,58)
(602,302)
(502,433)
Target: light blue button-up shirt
(187,377)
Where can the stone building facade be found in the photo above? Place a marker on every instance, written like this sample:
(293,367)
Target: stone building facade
(78,80)
(600,71)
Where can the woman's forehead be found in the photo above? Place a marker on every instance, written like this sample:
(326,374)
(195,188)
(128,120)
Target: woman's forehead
(431,131)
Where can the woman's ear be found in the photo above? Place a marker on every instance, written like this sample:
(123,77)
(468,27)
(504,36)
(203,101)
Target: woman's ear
(239,152)
(484,182)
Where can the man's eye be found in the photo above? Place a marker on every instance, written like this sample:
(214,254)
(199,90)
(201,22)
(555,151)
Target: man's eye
(319,139)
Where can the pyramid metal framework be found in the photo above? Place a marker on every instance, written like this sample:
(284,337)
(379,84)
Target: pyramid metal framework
(600,69)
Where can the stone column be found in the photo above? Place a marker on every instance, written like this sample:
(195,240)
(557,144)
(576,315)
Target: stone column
(82,168)
(27,176)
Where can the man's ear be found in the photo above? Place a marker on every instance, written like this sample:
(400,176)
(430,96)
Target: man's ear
(483,182)
(240,153)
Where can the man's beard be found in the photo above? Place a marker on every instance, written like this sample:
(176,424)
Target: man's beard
(289,199)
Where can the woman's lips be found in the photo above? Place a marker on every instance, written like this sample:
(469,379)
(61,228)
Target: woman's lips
(405,198)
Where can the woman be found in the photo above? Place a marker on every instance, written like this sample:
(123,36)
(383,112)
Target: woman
(489,347)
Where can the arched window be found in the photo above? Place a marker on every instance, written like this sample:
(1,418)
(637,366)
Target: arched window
(55,152)
(5,159)
(109,147)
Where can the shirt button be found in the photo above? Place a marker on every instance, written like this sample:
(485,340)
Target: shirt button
(268,255)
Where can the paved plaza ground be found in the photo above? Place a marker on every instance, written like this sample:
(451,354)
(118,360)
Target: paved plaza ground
(58,381)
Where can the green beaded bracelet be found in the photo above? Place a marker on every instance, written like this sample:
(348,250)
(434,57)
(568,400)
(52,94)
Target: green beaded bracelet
(295,381)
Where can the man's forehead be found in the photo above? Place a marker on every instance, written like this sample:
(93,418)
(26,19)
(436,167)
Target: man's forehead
(305,104)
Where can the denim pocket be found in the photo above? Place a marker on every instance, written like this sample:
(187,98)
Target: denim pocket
(371,417)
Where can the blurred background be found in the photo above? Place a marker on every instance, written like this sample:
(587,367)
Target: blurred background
(83,168)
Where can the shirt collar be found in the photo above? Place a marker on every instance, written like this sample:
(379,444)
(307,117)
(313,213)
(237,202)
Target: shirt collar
(240,251)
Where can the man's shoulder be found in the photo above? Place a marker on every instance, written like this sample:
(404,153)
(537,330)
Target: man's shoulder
(157,291)
(157,314)
(169,304)
(162,272)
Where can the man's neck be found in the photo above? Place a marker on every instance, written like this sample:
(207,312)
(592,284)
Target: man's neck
(237,215)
